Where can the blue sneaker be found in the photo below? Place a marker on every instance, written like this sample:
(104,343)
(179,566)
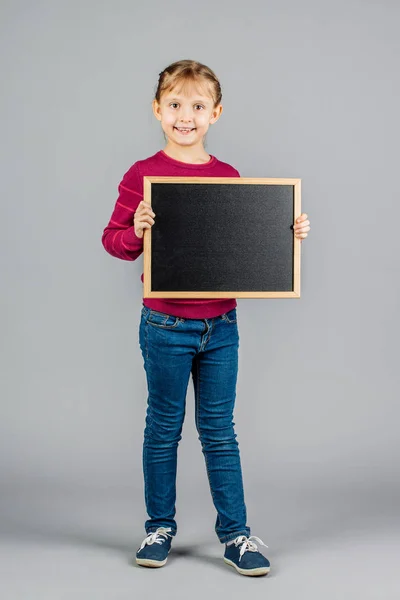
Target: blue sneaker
(243,554)
(155,548)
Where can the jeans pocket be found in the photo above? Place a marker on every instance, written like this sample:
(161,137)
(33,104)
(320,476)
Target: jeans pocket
(162,320)
(230,316)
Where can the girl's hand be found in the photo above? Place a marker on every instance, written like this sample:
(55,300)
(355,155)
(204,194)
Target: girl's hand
(301,227)
(143,218)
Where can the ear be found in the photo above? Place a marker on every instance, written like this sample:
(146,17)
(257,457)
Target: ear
(216,113)
(156,109)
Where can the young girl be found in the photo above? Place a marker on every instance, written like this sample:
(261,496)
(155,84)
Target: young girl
(184,337)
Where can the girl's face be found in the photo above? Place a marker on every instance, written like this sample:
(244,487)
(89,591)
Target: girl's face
(186,115)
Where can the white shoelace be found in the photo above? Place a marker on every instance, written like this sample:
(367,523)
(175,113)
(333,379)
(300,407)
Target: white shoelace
(156,537)
(247,544)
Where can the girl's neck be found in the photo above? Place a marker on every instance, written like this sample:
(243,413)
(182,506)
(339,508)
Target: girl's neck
(194,155)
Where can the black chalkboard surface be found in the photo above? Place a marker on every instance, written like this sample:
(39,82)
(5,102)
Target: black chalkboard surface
(225,237)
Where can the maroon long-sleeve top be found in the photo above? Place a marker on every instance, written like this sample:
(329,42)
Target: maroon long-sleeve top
(120,240)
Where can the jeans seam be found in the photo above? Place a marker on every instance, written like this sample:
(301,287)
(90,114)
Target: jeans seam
(198,420)
(198,425)
(227,320)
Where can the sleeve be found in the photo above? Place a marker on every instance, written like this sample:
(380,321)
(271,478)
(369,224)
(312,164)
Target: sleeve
(119,238)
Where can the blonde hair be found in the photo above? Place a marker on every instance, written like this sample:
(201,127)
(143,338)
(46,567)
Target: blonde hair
(188,71)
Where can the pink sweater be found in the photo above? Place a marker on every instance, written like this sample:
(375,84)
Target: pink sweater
(120,240)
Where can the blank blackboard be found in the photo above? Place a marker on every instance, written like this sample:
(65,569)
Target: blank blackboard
(225,237)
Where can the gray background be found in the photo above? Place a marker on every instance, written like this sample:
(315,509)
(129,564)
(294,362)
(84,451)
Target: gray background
(310,90)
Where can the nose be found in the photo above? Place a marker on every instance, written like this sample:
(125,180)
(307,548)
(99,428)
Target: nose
(185,114)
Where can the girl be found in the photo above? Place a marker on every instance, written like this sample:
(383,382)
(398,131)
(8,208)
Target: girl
(184,337)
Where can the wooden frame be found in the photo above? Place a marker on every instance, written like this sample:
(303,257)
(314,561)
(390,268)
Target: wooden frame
(147,238)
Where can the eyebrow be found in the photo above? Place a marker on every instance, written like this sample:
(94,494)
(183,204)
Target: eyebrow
(170,99)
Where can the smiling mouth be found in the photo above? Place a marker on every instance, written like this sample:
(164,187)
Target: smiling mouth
(185,129)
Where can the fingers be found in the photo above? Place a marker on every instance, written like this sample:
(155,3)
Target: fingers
(301,225)
(301,229)
(146,220)
(143,218)
(145,208)
(302,217)
(301,233)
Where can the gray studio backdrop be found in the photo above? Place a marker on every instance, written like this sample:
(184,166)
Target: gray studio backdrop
(310,90)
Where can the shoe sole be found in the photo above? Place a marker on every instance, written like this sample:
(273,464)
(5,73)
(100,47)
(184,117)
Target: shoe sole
(150,562)
(251,572)
(147,562)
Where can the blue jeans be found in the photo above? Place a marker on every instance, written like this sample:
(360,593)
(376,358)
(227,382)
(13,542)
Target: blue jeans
(172,349)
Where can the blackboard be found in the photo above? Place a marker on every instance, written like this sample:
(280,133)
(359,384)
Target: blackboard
(225,237)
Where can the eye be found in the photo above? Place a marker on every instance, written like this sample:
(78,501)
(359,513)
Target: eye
(173,104)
